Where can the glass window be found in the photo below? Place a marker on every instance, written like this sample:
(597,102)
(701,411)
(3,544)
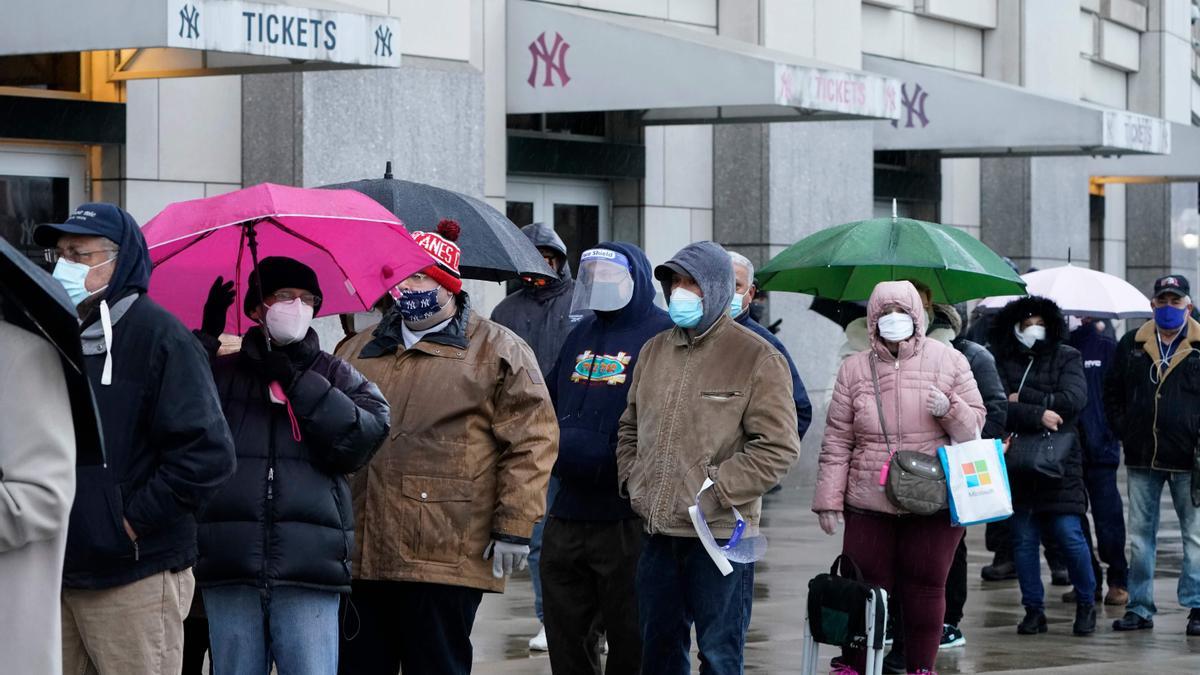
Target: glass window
(50,72)
(579,227)
(27,201)
(520,213)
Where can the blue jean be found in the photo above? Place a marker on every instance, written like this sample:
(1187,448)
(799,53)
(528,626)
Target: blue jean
(535,549)
(1109,514)
(296,628)
(1028,529)
(678,584)
(1145,495)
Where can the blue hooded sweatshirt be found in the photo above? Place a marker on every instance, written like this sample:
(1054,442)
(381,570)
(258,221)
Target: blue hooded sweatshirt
(799,394)
(589,384)
(1100,444)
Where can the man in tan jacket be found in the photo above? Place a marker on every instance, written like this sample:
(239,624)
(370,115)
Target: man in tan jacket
(709,400)
(445,509)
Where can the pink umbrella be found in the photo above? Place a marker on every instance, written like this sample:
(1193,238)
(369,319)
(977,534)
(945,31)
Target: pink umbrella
(358,249)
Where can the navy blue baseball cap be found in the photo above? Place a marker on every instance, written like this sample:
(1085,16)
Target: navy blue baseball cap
(94,219)
(1172,283)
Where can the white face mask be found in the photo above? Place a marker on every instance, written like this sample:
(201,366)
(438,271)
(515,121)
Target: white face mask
(288,322)
(1030,335)
(895,327)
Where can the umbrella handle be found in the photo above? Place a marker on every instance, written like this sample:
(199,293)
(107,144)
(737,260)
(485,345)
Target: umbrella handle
(252,244)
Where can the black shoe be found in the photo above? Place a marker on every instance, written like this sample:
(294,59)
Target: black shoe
(1193,628)
(999,571)
(1132,621)
(894,663)
(951,637)
(1070,598)
(1060,577)
(1085,620)
(1033,623)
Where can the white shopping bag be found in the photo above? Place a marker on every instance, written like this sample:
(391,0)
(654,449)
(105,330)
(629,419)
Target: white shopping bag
(977,480)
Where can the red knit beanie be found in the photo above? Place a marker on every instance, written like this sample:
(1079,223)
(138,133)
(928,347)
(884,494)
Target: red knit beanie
(441,245)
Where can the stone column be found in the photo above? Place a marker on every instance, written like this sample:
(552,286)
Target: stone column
(1035,209)
(1158,216)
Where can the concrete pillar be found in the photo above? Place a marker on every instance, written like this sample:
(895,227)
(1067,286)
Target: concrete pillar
(1035,209)
(1158,217)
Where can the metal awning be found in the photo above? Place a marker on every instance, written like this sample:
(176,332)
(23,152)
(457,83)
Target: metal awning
(1181,164)
(970,116)
(561,59)
(173,38)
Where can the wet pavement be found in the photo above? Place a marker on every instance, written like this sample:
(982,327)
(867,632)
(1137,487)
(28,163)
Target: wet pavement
(799,551)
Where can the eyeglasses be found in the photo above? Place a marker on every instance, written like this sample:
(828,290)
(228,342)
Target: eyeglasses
(53,254)
(287,296)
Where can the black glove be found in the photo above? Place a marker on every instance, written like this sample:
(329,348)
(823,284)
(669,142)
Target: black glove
(276,366)
(216,307)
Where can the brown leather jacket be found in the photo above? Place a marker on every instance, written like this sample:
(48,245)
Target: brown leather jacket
(718,406)
(472,442)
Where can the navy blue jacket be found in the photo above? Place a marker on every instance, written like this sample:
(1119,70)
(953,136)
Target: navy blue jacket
(803,406)
(1100,444)
(589,384)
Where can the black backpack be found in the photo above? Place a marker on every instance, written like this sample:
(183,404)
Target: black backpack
(837,607)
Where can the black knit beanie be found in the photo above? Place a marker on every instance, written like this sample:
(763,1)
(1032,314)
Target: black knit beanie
(279,272)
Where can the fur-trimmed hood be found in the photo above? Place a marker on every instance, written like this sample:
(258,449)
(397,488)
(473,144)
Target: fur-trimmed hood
(1001,337)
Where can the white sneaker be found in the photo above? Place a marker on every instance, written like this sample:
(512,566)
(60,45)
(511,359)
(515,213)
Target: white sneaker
(538,643)
(604,644)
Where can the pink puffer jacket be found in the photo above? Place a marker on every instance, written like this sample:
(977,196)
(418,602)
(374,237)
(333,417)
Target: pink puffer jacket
(854,450)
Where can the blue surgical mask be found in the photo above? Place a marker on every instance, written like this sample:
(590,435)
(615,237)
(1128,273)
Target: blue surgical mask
(416,306)
(1170,318)
(686,308)
(72,276)
(736,306)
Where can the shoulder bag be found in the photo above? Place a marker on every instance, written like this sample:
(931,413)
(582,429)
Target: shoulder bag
(1042,453)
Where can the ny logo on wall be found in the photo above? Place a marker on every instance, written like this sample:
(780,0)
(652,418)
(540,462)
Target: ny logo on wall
(383,41)
(914,106)
(553,61)
(189,22)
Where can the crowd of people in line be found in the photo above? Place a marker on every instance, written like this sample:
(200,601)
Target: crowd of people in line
(285,507)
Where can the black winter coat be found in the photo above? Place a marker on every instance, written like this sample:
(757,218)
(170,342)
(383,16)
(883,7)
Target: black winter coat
(1158,423)
(1055,382)
(285,517)
(987,378)
(168,451)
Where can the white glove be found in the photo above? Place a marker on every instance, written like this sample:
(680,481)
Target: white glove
(506,557)
(938,404)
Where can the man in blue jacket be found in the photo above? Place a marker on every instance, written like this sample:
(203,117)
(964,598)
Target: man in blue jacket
(743,297)
(131,542)
(592,537)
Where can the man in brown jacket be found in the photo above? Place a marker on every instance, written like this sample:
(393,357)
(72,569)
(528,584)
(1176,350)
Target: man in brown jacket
(445,509)
(709,400)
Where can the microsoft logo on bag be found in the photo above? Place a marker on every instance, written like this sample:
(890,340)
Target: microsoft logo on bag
(977,474)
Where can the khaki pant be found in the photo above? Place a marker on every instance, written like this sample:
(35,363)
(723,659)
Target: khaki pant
(136,629)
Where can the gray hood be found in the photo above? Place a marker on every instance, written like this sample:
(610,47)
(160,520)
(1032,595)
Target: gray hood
(541,234)
(709,265)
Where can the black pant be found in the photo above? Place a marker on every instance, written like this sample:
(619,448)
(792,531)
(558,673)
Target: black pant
(589,575)
(422,628)
(998,540)
(195,644)
(956,585)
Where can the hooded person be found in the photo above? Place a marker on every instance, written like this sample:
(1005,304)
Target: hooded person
(928,398)
(275,540)
(743,300)
(444,511)
(1046,388)
(131,543)
(593,537)
(710,401)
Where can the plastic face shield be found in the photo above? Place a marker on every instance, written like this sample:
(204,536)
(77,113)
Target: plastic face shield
(738,548)
(604,284)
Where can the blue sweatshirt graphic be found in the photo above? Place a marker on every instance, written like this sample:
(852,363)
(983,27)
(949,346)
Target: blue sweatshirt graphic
(589,384)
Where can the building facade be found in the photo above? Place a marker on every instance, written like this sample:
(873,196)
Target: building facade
(1054,130)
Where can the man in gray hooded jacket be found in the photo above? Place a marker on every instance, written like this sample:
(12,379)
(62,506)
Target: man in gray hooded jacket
(710,401)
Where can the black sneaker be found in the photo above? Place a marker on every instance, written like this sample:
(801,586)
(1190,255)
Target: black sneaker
(1085,620)
(1132,621)
(1033,623)
(999,571)
(893,663)
(1060,577)
(951,637)
(1193,627)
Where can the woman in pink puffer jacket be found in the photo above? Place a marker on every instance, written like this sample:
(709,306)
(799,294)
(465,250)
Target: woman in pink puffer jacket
(929,400)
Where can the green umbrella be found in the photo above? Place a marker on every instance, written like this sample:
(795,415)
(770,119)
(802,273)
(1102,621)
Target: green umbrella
(847,261)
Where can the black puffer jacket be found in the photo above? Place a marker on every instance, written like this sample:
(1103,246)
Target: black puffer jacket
(1055,382)
(285,517)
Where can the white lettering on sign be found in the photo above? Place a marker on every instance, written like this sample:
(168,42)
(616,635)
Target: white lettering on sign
(1141,133)
(283,31)
(858,94)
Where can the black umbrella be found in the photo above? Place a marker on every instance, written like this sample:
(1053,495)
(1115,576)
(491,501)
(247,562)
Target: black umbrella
(841,312)
(493,248)
(33,300)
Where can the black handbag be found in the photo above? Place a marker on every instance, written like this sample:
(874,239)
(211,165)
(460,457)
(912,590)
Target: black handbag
(916,481)
(837,604)
(1044,453)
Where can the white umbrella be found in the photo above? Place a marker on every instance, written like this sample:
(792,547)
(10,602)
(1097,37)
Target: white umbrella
(1080,291)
